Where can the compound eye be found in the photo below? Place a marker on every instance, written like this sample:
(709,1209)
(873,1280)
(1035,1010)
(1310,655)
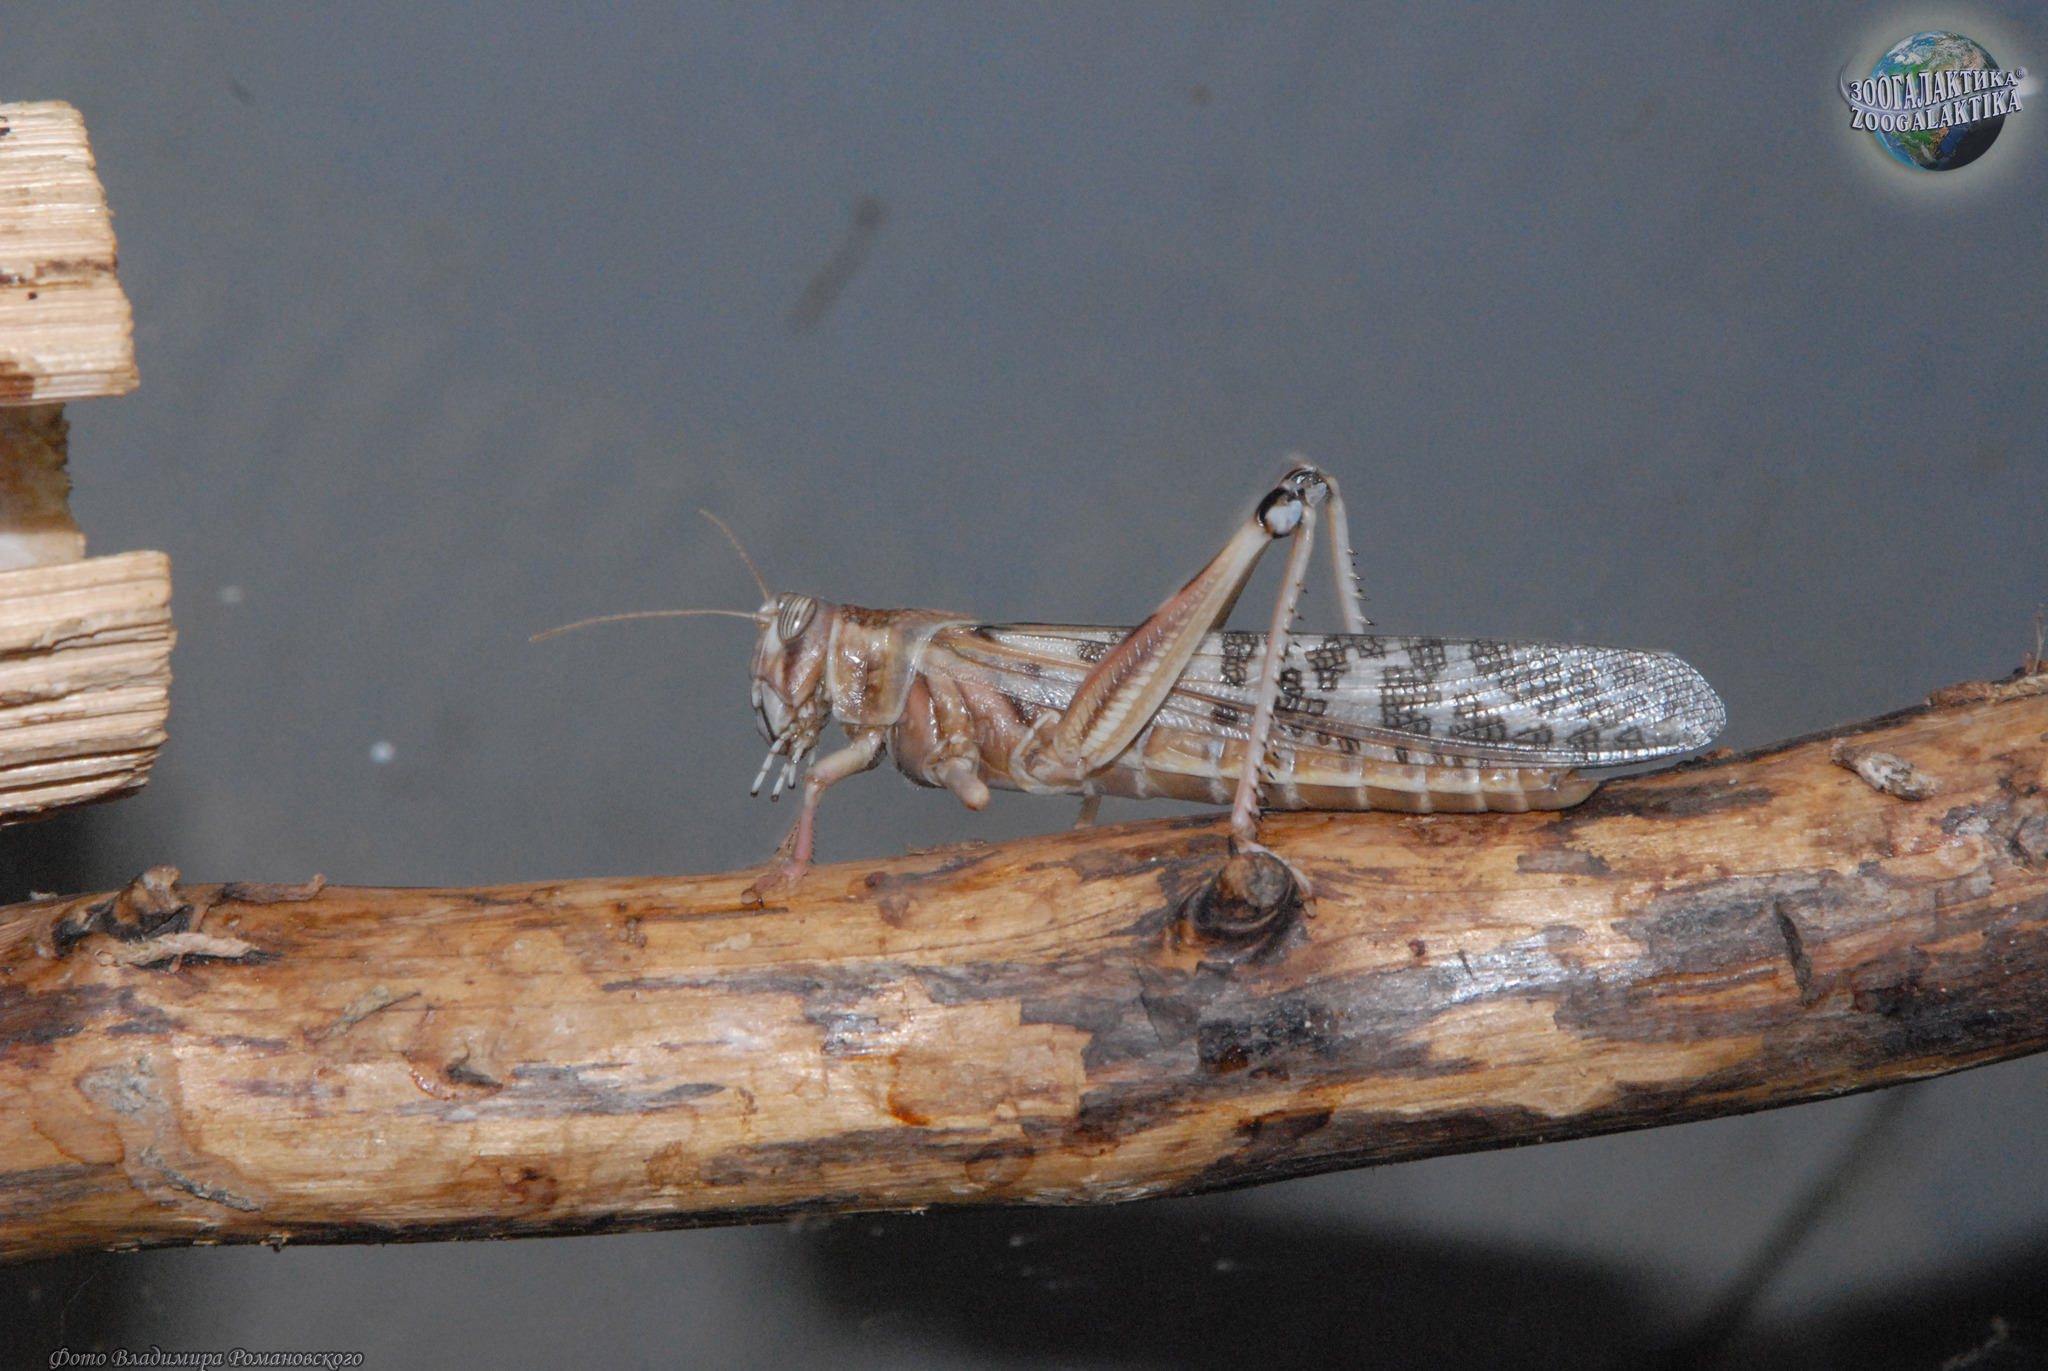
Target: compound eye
(794,617)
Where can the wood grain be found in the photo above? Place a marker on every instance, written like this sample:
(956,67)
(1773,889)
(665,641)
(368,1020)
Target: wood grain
(65,327)
(1032,1023)
(85,674)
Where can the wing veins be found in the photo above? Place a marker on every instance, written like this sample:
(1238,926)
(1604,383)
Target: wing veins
(1661,692)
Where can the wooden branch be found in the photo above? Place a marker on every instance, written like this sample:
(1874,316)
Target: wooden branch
(1050,1021)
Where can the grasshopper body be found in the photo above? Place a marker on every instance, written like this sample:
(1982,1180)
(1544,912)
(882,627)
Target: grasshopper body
(1177,708)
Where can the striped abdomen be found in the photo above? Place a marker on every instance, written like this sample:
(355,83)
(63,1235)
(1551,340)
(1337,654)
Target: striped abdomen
(1184,764)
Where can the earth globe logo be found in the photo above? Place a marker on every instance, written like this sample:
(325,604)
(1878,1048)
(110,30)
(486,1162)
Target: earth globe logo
(1936,101)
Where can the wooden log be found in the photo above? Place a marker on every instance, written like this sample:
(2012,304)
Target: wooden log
(1051,1021)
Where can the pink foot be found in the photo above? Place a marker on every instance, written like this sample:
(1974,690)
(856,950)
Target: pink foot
(778,884)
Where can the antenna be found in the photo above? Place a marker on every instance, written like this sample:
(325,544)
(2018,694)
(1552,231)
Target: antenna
(766,593)
(761,619)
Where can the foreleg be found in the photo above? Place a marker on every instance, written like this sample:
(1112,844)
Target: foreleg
(793,858)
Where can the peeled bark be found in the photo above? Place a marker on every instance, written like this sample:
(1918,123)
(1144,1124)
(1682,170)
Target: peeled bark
(1065,1019)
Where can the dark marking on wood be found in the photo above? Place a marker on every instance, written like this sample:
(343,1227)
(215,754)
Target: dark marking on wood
(302,1091)
(1985,818)
(144,1018)
(1108,1117)
(1270,1036)
(266,1046)
(372,1001)
(478,899)
(848,1153)
(38,1020)
(461,1073)
(896,890)
(1355,1138)
(271,892)
(1795,949)
(1272,1135)
(528,1186)
(1563,861)
(1665,802)
(213,1194)
(553,1092)
(957,857)
(29,1189)
(1713,926)
(1120,1029)
(1000,1164)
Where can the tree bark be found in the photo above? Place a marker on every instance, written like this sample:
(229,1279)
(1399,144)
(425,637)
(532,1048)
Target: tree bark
(1065,1019)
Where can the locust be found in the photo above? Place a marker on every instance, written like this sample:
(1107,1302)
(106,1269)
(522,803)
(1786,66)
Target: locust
(1181,707)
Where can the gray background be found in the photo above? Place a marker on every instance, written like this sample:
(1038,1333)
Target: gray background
(1611,326)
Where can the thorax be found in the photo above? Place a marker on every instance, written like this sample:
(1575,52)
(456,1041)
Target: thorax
(874,657)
